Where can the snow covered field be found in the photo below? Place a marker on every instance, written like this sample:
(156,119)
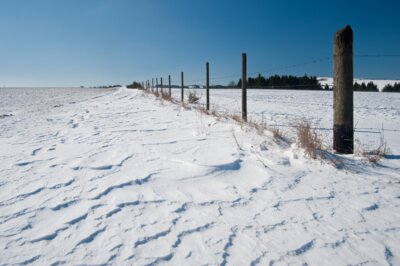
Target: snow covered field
(117,177)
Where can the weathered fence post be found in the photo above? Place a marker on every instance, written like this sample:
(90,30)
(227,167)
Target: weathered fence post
(161,88)
(244,87)
(343,131)
(152,84)
(169,85)
(208,86)
(182,84)
(156,85)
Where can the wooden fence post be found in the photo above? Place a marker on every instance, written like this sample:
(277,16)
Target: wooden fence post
(182,85)
(244,87)
(152,84)
(156,85)
(161,88)
(169,85)
(208,86)
(343,129)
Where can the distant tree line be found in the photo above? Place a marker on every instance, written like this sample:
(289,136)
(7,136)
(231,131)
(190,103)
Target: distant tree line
(305,83)
(392,88)
(283,82)
(107,86)
(102,86)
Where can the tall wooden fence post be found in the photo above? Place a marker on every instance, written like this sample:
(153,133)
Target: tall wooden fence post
(208,86)
(161,88)
(152,84)
(244,87)
(169,85)
(343,130)
(182,85)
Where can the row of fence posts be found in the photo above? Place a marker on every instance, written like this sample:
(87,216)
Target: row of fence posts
(343,129)
(150,87)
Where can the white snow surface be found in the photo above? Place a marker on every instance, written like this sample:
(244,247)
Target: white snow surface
(117,177)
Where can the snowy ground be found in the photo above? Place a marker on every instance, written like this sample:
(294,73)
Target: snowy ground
(117,177)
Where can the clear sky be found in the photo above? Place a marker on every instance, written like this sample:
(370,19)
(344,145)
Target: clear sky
(96,42)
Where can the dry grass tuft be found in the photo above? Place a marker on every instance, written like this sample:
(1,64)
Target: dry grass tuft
(202,110)
(277,134)
(213,112)
(193,98)
(259,126)
(236,117)
(375,155)
(308,139)
(166,97)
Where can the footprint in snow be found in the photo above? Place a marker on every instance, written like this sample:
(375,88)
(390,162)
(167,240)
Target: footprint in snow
(373,207)
(73,124)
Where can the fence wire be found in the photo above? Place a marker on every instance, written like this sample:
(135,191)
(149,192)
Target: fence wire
(282,68)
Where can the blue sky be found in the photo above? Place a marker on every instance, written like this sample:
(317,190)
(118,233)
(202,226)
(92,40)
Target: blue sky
(95,42)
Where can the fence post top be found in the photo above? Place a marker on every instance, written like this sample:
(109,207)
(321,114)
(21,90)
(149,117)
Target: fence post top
(344,35)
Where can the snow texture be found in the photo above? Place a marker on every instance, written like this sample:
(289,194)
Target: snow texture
(104,177)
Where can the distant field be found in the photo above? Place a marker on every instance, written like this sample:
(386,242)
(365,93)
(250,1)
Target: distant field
(20,100)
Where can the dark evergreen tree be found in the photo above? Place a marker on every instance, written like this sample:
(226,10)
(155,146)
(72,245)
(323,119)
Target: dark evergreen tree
(135,85)
(392,88)
(370,86)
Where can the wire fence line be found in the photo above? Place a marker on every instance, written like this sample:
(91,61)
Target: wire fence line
(292,121)
(237,76)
